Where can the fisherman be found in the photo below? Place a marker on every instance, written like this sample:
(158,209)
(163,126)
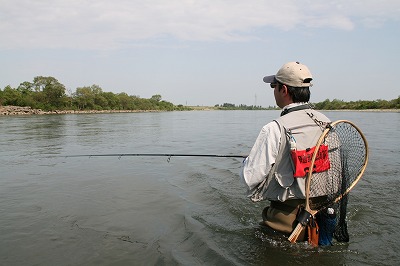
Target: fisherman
(269,171)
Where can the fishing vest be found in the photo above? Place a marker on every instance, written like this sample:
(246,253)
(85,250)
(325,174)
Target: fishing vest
(281,184)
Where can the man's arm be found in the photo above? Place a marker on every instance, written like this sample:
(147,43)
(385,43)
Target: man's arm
(262,156)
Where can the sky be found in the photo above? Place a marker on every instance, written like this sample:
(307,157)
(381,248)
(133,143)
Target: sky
(203,52)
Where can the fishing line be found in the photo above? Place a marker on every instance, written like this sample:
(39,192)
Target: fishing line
(169,155)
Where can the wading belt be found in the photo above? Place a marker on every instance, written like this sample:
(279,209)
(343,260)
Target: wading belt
(287,206)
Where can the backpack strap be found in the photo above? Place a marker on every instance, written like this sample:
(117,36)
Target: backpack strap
(258,193)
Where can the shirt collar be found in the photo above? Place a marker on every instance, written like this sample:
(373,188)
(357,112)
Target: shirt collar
(295,107)
(291,105)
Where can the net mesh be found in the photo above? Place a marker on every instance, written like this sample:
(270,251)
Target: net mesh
(347,155)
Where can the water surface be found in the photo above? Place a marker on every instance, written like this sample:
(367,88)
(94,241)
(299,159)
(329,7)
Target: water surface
(188,211)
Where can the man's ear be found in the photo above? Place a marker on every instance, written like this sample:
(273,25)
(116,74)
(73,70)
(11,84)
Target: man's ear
(284,89)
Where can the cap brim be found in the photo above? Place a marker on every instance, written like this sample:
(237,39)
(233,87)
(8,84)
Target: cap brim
(269,79)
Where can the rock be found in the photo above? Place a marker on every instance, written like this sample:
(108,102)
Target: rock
(18,110)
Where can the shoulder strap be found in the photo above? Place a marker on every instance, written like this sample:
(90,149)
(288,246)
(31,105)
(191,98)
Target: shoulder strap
(258,194)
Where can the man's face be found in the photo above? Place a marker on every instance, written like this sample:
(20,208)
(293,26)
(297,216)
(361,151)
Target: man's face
(278,94)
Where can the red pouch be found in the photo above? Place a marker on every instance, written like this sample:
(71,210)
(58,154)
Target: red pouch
(302,161)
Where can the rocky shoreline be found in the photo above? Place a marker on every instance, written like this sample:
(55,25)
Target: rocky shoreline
(20,110)
(27,110)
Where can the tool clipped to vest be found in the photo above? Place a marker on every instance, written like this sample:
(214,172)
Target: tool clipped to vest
(309,221)
(313,232)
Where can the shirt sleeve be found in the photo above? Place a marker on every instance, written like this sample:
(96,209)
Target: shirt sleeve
(262,156)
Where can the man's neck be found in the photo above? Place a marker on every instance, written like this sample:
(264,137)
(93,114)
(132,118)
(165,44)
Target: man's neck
(294,107)
(291,105)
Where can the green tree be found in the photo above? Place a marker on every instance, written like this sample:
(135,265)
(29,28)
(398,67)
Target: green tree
(25,88)
(112,100)
(164,105)
(93,97)
(125,101)
(156,98)
(84,98)
(99,101)
(53,91)
(11,96)
(395,103)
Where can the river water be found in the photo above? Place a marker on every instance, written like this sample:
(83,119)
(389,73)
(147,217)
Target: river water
(185,211)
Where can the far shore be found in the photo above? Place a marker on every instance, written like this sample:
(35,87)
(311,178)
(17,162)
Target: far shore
(26,110)
(364,110)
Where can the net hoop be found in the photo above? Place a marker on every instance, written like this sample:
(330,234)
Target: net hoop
(319,142)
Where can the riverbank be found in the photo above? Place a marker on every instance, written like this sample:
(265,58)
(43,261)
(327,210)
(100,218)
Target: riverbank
(27,110)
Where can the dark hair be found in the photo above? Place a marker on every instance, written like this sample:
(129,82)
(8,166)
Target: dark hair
(301,94)
(298,94)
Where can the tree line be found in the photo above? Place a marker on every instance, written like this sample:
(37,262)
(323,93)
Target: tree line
(358,105)
(325,105)
(48,94)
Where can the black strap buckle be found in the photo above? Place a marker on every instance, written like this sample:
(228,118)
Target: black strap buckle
(303,217)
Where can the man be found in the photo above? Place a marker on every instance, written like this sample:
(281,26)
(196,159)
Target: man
(269,171)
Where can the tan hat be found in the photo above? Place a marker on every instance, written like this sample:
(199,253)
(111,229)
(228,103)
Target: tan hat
(292,74)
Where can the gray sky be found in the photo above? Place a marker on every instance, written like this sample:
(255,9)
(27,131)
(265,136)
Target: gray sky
(203,52)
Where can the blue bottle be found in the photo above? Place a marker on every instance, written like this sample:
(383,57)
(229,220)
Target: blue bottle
(327,224)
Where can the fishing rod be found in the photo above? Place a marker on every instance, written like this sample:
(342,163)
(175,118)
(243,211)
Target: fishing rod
(169,155)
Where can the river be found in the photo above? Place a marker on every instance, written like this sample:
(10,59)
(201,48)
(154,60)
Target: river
(183,211)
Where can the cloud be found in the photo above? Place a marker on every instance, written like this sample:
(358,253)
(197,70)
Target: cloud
(102,24)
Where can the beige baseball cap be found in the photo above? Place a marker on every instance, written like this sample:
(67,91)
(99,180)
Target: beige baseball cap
(292,74)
